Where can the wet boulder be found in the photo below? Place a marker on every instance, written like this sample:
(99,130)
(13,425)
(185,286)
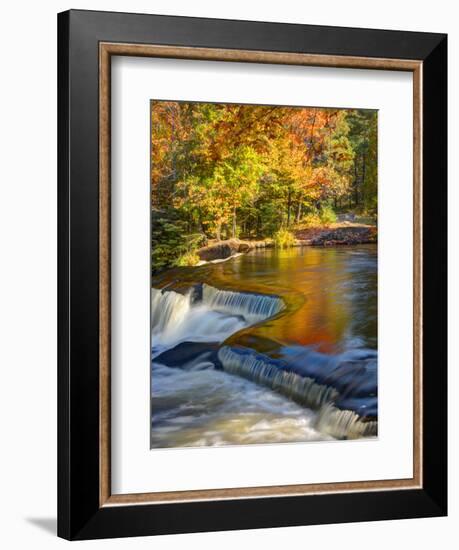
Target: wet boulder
(189,355)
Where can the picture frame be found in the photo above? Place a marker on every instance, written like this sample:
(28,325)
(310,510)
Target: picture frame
(87,41)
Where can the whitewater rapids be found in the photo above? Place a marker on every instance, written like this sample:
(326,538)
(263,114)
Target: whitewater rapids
(197,405)
(214,317)
(231,397)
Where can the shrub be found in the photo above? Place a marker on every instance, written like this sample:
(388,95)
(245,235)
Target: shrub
(318,218)
(188,259)
(327,215)
(310,220)
(284,238)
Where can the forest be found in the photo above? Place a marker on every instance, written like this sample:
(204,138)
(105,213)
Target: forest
(253,172)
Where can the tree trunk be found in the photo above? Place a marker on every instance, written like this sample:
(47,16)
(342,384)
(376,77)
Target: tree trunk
(299,212)
(289,205)
(356,183)
(234,222)
(311,137)
(364,165)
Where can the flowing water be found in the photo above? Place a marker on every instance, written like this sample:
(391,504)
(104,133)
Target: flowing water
(271,346)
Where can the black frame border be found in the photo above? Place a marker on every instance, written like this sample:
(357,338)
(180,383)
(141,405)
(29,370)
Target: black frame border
(79,513)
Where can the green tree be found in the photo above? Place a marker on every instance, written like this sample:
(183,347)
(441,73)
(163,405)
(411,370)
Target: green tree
(363,135)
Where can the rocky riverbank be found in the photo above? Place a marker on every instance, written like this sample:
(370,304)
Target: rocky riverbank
(338,234)
(221,250)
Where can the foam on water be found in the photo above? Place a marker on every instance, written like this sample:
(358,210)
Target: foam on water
(206,407)
(255,399)
(175,318)
(344,423)
(301,389)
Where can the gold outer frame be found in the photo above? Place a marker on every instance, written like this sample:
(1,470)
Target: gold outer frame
(106,51)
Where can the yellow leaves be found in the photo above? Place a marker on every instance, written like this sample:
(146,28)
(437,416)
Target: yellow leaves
(210,159)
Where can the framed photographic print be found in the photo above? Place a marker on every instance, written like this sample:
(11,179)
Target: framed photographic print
(252,274)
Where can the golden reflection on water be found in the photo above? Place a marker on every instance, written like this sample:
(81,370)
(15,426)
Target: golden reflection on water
(330,292)
(323,315)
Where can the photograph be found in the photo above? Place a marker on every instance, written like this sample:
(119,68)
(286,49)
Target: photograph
(264,281)
(252,320)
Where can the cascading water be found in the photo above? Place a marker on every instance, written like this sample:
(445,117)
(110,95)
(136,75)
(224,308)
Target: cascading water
(193,408)
(344,424)
(253,307)
(277,376)
(230,409)
(168,309)
(209,390)
(177,318)
(262,370)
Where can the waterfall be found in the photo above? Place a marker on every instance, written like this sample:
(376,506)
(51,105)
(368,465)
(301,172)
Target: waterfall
(177,318)
(268,372)
(272,373)
(253,307)
(168,309)
(332,389)
(344,423)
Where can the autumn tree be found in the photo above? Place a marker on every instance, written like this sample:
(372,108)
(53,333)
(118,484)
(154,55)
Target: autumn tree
(224,170)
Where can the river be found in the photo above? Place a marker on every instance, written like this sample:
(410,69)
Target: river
(271,346)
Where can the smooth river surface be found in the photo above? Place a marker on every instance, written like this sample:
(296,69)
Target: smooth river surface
(309,311)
